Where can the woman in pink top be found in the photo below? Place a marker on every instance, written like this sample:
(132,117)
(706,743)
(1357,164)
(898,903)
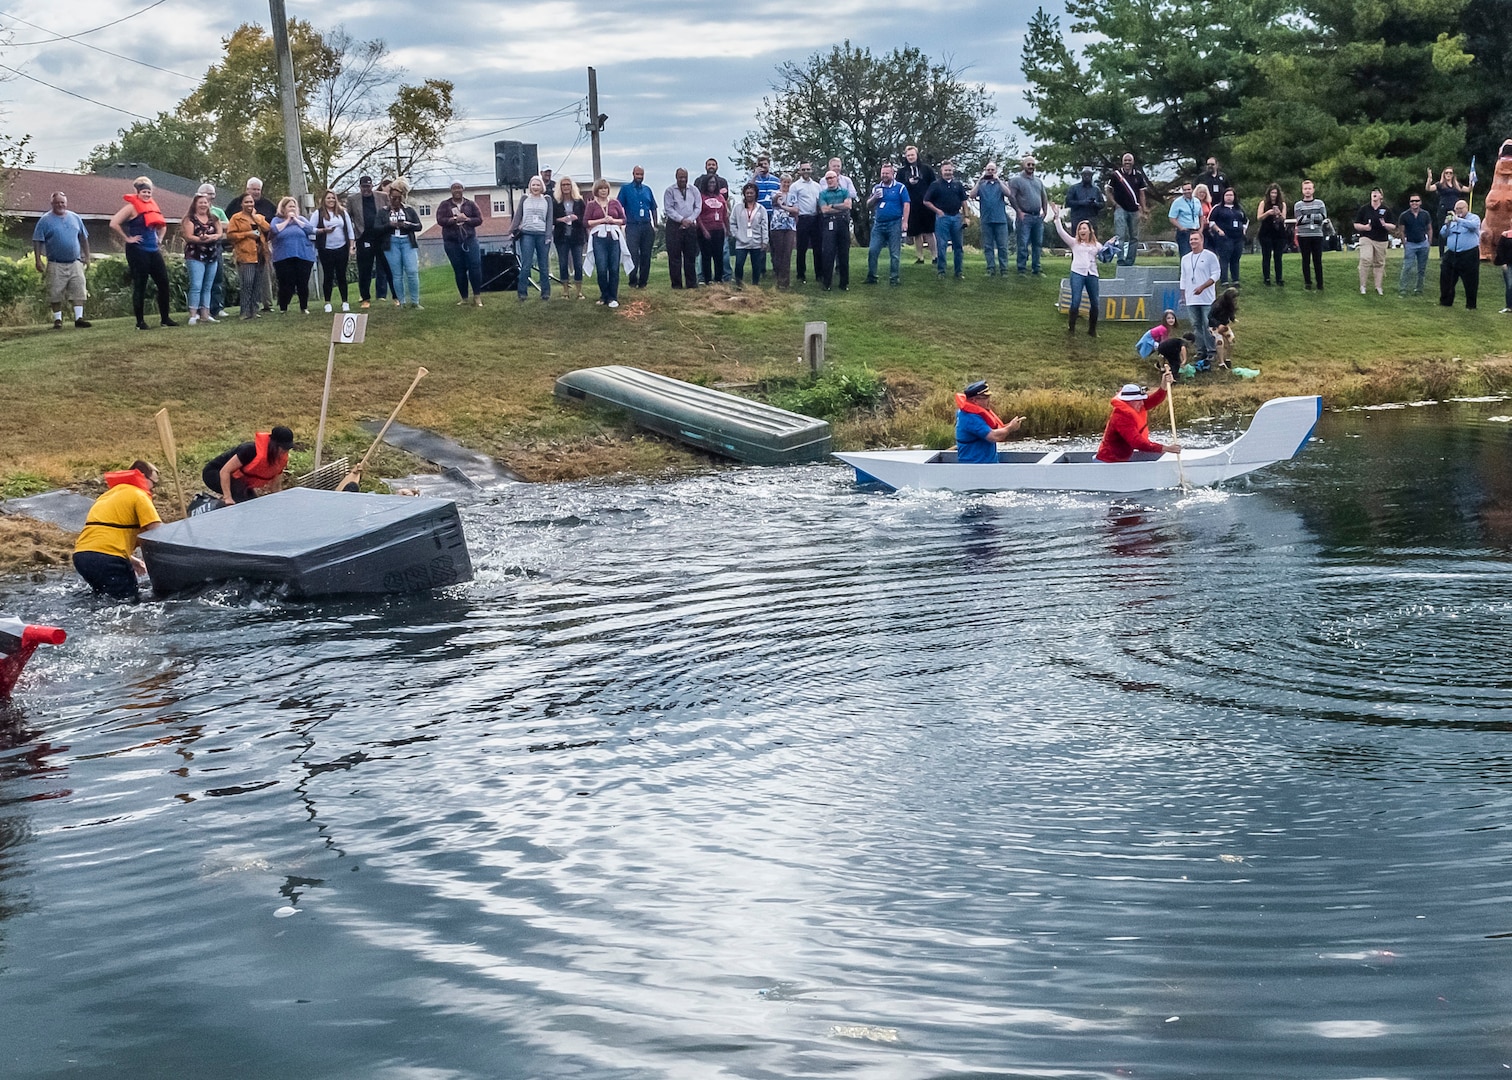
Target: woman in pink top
(1084,246)
(604,218)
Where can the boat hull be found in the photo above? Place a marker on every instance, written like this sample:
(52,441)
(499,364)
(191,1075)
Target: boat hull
(1280,429)
(314,543)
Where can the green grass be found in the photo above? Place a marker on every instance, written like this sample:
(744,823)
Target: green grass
(79,401)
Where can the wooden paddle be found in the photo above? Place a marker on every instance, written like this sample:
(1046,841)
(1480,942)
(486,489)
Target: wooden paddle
(1171,410)
(170,451)
(353,479)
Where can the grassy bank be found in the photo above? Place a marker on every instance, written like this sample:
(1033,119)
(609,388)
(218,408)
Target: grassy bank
(78,401)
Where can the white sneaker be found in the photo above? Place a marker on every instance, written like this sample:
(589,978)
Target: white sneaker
(328,309)
(1505,311)
(345,306)
(193,319)
(614,303)
(1362,290)
(209,318)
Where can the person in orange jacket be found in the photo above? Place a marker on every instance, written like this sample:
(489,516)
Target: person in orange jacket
(1128,427)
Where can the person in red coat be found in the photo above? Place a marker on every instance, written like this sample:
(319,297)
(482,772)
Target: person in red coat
(1128,427)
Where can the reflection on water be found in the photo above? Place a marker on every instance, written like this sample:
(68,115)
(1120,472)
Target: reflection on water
(761,775)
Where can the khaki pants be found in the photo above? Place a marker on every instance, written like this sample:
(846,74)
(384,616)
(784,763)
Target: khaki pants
(65,281)
(1372,261)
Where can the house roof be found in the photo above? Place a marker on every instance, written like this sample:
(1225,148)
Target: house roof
(130,170)
(28,193)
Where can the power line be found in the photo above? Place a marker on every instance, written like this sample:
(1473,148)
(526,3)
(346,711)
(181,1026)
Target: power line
(70,93)
(82,33)
(554,114)
(71,40)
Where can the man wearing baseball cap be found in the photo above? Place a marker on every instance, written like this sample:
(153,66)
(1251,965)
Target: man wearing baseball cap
(978,429)
(244,471)
(1128,427)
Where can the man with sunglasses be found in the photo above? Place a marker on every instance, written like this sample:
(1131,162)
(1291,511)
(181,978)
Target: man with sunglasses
(1416,225)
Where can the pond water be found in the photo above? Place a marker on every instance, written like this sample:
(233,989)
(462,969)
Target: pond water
(758,774)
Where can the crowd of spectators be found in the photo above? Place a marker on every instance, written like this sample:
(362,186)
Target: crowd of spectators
(792,226)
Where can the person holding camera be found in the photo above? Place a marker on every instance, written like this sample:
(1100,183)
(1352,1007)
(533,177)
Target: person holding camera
(1461,259)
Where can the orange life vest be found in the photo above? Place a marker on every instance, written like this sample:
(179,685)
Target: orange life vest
(133,477)
(265,467)
(152,216)
(965,404)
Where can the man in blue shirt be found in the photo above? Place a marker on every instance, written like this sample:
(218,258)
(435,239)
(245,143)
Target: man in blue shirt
(889,201)
(639,202)
(1416,226)
(992,205)
(978,429)
(61,236)
(1186,216)
(767,183)
(946,197)
(1461,257)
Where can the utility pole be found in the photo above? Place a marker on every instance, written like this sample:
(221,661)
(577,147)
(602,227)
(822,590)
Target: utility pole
(293,148)
(595,122)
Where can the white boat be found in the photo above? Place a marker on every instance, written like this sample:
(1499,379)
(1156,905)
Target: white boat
(1279,431)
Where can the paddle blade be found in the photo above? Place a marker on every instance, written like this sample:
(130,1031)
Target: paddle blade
(165,436)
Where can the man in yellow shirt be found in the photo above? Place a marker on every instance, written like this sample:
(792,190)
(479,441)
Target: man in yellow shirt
(104,554)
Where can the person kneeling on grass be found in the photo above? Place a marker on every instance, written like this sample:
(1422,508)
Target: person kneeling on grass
(978,429)
(1128,427)
(242,472)
(104,554)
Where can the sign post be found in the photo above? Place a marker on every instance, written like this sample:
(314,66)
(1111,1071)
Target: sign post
(347,329)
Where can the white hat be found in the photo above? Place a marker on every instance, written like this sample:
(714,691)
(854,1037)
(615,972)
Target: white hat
(1132,392)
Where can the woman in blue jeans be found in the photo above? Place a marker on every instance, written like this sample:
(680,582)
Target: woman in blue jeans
(202,233)
(399,226)
(605,220)
(1084,247)
(532,232)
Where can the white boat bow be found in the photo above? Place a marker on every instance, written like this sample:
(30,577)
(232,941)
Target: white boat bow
(1280,429)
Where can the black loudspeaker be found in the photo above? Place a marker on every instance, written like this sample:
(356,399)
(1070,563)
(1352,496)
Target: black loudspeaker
(514,163)
(501,271)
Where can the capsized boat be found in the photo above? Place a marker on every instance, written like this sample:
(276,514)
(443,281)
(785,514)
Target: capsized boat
(1280,429)
(18,640)
(314,543)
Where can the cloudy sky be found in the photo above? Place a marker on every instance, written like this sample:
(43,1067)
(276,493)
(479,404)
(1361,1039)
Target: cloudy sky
(679,82)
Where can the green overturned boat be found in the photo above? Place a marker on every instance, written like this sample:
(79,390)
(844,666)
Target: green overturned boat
(710,420)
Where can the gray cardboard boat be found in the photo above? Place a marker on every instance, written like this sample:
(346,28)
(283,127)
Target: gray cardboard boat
(710,420)
(314,543)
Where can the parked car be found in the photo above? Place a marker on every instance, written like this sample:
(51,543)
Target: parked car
(1159,247)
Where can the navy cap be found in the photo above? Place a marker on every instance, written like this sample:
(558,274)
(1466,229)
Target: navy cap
(281,436)
(978,387)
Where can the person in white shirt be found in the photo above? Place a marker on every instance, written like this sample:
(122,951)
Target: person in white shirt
(805,207)
(1199,276)
(1084,248)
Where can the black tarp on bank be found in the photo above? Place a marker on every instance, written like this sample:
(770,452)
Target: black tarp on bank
(316,543)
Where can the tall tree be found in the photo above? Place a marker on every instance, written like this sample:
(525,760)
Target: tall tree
(352,103)
(865,109)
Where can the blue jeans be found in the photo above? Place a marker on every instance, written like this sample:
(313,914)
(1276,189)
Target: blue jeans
(995,244)
(1088,282)
(891,234)
(201,279)
(1414,255)
(534,248)
(758,264)
(218,287)
(404,266)
(1126,225)
(1031,235)
(606,266)
(1199,316)
(1229,250)
(1183,242)
(948,232)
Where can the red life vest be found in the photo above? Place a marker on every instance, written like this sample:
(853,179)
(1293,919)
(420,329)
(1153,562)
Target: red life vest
(152,216)
(965,404)
(133,477)
(265,467)
(1114,447)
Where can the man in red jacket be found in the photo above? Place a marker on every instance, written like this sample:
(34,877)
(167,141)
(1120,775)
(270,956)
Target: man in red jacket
(1128,427)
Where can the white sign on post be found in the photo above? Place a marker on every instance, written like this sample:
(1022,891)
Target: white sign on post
(348,329)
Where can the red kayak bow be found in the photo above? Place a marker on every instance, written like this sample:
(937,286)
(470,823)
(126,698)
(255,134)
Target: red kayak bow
(18,640)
